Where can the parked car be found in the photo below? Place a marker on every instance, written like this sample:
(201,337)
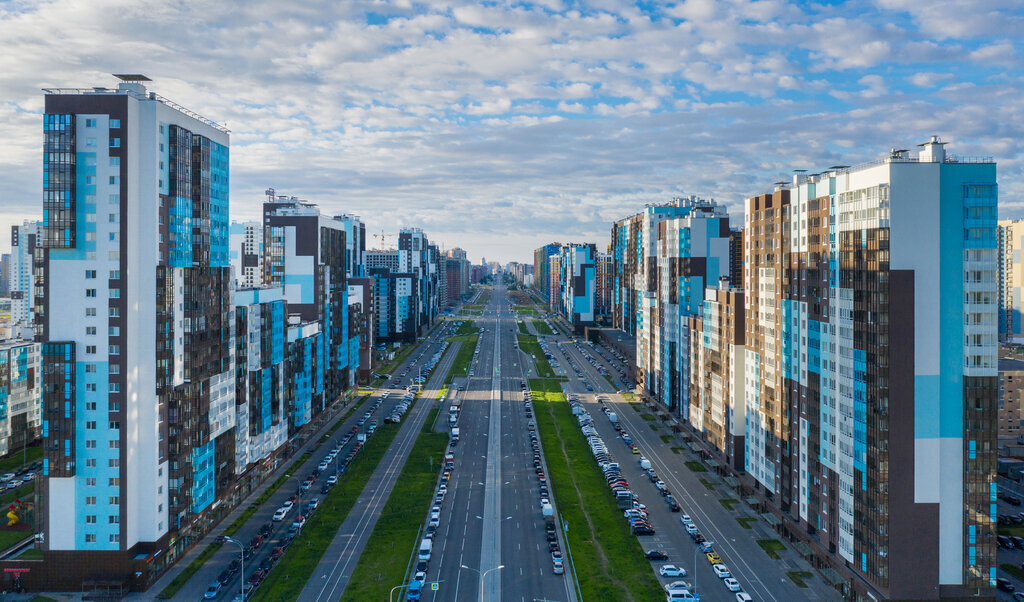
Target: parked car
(656,555)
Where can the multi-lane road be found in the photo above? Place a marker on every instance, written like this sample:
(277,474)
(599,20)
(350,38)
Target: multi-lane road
(491,516)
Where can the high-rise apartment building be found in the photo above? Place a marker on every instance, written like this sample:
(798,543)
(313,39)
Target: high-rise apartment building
(634,251)
(691,252)
(1011,280)
(246,253)
(577,273)
(305,253)
(1011,399)
(717,381)
(20,275)
(871,355)
(5,274)
(134,296)
(261,376)
(542,268)
(604,281)
(21,388)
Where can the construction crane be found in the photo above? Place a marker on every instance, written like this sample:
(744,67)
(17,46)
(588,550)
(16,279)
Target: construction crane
(383,236)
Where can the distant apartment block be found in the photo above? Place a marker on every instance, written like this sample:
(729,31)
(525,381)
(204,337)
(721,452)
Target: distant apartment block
(542,268)
(21,388)
(246,253)
(1011,281)
(1011,399)
(576,279)
(21,281)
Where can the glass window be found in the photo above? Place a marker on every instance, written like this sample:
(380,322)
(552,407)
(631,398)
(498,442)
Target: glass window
(115,123)
(90,123)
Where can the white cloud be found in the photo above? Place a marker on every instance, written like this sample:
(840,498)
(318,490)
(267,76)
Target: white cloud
(504,125)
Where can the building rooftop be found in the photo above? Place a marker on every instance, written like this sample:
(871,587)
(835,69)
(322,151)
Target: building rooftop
(132,85)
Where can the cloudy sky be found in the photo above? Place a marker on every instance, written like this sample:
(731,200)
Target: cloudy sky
(501,126)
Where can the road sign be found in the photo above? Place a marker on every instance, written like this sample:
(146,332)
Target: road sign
(433,586)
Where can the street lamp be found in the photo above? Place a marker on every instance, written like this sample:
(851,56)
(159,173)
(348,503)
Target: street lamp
(392,592)
(241,557)
(483,576)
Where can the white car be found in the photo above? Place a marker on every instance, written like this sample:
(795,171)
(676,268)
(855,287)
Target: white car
(685,519)
(743,597)
(732,584)
(420,576)
(721,571)
(671,570)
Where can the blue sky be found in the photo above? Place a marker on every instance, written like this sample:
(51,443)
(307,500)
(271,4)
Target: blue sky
(500,126)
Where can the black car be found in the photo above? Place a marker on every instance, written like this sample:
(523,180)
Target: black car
(225,576)
(661,555)
(1004,584)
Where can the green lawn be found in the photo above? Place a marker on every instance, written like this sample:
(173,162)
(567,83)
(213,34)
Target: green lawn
(771,547)
(746,521)
(798,577)
(666,438)
(647,416)
(608,560)
(677,450)
(287,579)
(384,560)
(467,327)
(708,484)
(25,491)
(14,461)
(460,367)
(727,502)
(541,327)
(695,466)
(522,327)
(530,346)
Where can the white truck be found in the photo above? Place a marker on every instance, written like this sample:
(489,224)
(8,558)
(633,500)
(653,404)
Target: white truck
(613,418)
(455,435)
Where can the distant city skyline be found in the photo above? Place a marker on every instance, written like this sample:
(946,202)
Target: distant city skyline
(498,129)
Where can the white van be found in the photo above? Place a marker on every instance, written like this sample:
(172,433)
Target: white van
(425,548)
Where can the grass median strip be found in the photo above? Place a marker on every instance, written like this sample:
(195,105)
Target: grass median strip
(463,359)
(522,327)
(530,346)
(609,561)
(287,579)
(695,466)
(746,522)
(541,327)
(383,562)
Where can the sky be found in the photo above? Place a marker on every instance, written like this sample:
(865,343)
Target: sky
(498,127)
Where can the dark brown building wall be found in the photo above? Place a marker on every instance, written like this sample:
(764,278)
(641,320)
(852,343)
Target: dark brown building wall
(913,532)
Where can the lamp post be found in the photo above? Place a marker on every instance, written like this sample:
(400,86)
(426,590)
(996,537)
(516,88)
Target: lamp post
(241,557)
(482,576)
(392,592)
